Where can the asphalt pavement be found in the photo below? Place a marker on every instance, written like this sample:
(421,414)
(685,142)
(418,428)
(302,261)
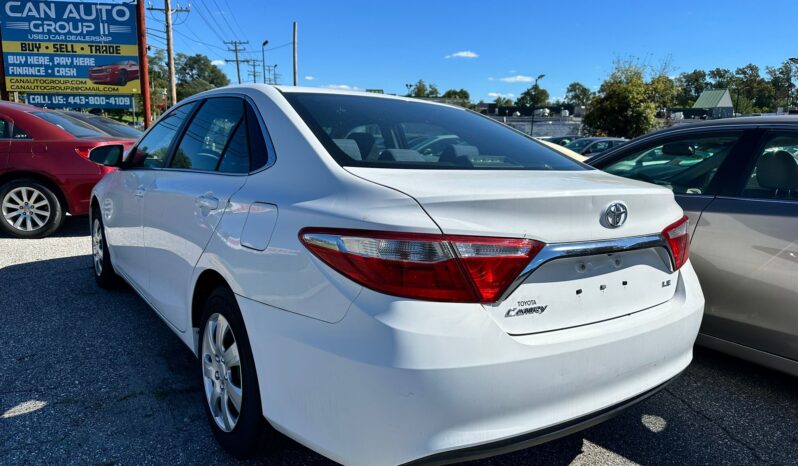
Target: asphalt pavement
(95,377)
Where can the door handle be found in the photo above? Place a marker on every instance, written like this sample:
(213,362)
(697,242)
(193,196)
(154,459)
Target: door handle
(207,201)
(139,191)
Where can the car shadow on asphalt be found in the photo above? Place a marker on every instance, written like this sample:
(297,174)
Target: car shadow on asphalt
(94,376)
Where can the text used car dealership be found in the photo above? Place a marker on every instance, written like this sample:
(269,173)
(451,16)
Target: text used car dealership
(382,279)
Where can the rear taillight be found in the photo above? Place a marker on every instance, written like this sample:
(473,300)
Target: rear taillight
(678,236)
(423,266)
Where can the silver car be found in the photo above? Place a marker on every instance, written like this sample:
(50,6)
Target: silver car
(737,180)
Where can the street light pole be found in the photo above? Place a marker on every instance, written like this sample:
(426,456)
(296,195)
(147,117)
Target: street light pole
(263,56)
(534,101)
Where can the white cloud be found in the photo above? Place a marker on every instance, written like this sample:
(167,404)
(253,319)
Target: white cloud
(462,54)
(512,71)
(309,78)
(499,94)
(342,87)
(491,78)
(218,62)
(519,78)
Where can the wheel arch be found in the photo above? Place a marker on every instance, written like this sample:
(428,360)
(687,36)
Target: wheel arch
(207,281)
(43,179)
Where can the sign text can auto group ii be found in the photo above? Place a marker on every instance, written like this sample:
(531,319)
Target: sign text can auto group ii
(70,47)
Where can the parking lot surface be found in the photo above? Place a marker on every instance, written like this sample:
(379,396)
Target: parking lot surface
(94,377)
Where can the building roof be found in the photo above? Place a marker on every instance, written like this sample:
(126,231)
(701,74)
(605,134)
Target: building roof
(714,98)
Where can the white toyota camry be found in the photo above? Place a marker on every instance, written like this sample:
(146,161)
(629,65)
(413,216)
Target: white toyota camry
(382,305)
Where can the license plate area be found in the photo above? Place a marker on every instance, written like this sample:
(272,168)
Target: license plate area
(576,291)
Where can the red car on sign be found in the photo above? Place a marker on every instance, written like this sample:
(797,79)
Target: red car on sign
(119,73)
(47,167)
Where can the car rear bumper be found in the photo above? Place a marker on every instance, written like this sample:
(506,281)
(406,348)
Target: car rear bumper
(397,381)
(537,437)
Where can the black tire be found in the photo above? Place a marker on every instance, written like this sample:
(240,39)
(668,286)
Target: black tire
(11,192)
(123,77)
(104,273)
(251,433)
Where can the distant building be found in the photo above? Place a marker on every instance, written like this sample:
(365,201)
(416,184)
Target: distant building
(715,103)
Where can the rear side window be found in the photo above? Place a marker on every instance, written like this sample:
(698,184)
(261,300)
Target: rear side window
(153,149)
(209,133)
(392,133)
(774,175)
(5,128)
(687,165)
(225,135)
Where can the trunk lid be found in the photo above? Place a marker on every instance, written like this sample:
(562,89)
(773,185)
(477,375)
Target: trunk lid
(553,207)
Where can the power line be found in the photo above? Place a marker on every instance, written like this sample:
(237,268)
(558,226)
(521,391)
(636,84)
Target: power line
(208,23)
(224,17)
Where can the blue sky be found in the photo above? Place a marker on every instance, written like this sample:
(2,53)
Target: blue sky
(501,44)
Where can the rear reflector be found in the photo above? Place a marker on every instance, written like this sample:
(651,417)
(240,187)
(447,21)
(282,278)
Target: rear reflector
(678,236)
(431,267)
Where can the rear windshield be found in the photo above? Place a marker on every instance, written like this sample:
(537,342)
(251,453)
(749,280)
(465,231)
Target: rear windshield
(364,131)
(115,128)
(71,125)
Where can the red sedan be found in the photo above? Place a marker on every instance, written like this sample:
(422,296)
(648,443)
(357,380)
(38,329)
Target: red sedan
(46,168)
(119,73)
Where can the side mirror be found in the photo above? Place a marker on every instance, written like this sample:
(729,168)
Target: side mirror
(110,156)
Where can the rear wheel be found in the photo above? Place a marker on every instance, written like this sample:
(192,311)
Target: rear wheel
(229,379)
(104,273)
(29,209)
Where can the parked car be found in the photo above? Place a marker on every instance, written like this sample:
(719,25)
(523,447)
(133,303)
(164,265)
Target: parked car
(47,168)
(561,140)
(401,308)
(737,180)
(592,146)
(119,73)
(107,125)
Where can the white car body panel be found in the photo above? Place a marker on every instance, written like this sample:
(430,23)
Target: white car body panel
(367,378)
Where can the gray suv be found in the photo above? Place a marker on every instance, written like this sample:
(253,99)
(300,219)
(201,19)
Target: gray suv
(737,180)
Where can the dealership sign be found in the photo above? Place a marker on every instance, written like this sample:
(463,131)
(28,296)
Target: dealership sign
(121,102)
(69,47)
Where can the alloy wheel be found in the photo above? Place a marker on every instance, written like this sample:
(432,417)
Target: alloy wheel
(221,370)
(97,246)
(26,209)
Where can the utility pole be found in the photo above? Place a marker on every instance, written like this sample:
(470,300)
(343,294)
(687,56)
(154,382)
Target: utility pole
(263,58)
(254,73)
(237,48)
(534,101)
(296,74)
(170,52)
(144,67)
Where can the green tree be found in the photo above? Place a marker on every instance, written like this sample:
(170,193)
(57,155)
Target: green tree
(196,73)
(662,92)
(457,94)
(578,94)
(503,101)
(535,94)
(422,89)
(781,80)
(722,78)
(755,88)
(622,107)
(690,86)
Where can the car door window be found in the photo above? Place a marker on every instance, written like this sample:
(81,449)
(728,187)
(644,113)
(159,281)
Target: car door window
(774,175)
(247,150)
(687,165)
(153,149)
(209,133)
